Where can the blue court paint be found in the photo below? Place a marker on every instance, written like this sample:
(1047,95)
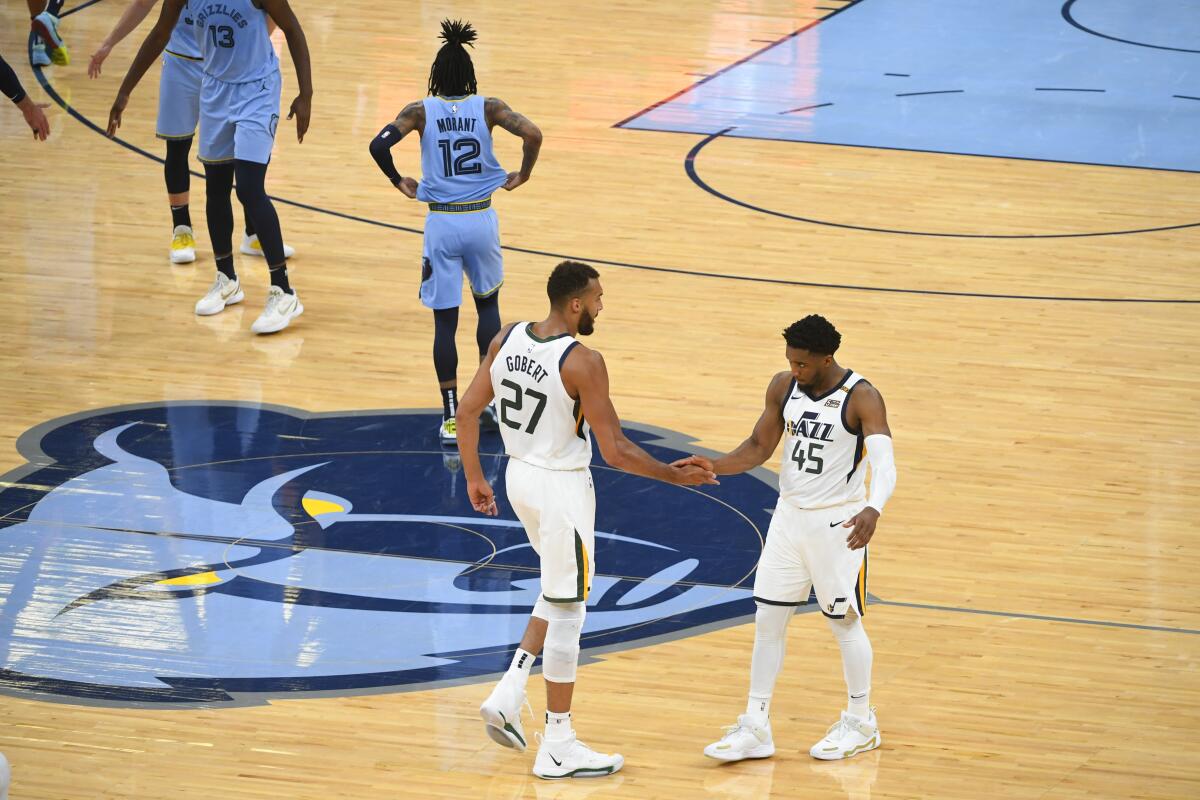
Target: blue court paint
(973,71)
(203,553)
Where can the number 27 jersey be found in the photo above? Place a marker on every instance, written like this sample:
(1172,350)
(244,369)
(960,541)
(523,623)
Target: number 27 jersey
(822,456)
(457,162)
(540,423)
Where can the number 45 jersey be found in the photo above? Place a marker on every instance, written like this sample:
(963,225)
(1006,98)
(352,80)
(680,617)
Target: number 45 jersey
(457,162)
(822,455)
(540,423)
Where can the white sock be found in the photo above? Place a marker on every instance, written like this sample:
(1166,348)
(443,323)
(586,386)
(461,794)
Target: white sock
(770,642)
(518,670)
(558,726)
(857,656)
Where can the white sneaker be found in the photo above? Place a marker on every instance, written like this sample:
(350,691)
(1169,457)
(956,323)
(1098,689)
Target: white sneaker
(183,245)
(280,310)
(573,759)
(501,714)
(38,56)
(251,247)
(849,736)
(224,292)
(744,740)
(448,432)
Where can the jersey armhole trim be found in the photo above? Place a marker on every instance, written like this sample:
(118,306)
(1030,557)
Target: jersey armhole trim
(566,352)
(787,395)
(846,407)
(504,341)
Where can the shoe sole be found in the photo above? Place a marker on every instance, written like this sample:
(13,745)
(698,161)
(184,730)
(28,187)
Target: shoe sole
(236,298)
(582,773)
(179,260)
(758,752)
(874,742)
(250,251)
(286,321)
(500,730)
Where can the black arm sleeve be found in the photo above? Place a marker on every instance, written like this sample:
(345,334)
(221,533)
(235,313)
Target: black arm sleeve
(381,151)
(9,84)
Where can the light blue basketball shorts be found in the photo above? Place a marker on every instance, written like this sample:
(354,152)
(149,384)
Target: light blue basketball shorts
(238,120)
(458,242)
(178,97)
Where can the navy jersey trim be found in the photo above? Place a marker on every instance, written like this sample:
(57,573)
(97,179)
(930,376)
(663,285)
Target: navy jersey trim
(565,353)
(840,384)
(846,407)
(504,341)
(786,397)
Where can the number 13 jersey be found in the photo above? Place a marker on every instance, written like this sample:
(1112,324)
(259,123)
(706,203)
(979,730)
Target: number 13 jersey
(457,162)
(822,455)
(540,423)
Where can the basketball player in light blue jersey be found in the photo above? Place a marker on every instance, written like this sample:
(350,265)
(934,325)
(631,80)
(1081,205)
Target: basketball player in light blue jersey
(178,115)
(239,110)
(459,173)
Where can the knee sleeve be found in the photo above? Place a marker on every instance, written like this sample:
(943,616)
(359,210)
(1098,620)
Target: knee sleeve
(770,645)
(857,654)
(175,167)
(560,654)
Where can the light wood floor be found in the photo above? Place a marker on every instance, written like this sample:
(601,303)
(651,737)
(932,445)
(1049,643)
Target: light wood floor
(1047,449)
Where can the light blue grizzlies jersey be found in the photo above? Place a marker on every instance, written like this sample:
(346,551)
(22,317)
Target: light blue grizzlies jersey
(233,40)
(183,37)
(457,162)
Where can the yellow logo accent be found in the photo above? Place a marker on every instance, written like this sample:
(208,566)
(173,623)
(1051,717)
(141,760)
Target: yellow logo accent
(198,579)
(316,508)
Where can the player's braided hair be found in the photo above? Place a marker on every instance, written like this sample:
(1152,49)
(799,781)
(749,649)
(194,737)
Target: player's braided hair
(452,73)
(815,334)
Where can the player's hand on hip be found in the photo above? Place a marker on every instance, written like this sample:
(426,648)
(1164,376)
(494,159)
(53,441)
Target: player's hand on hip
(97,59)
(301,109)
(693,475)
(514,180)
(114,115)
(699,461)
(864,528)
(408,186)
(483,499)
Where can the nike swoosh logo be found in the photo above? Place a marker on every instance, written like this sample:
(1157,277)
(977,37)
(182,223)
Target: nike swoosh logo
(835,524)
(557,763)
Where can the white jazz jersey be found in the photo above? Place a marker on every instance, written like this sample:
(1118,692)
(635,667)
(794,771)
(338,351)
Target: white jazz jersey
(822,455)
(540,423)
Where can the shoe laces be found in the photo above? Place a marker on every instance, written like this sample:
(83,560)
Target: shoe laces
(274,298)
(216,287)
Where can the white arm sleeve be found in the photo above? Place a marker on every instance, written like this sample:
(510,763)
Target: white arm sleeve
(883,470)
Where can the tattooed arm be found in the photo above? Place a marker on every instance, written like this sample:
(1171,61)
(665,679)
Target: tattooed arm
(498,113)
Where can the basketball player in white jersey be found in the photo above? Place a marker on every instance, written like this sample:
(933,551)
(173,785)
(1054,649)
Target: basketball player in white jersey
(819,531)
(553,397)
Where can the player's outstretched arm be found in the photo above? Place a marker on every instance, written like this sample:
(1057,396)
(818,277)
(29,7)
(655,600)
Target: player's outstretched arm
(585,376)
(498,113)
(150,50)
(470,406)
(762,441)
(412,118)
(133,15)
(868,411)
(285,18)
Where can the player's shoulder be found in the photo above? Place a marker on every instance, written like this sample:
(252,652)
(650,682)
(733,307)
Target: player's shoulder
(579,356)
(863,391)
(780,383)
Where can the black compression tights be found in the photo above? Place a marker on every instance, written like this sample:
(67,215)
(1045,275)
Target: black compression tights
(252,192)
(175,167)
(445,324)
(219,206)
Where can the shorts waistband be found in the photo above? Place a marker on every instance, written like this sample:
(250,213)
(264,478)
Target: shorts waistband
(461,208)
(550,469)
